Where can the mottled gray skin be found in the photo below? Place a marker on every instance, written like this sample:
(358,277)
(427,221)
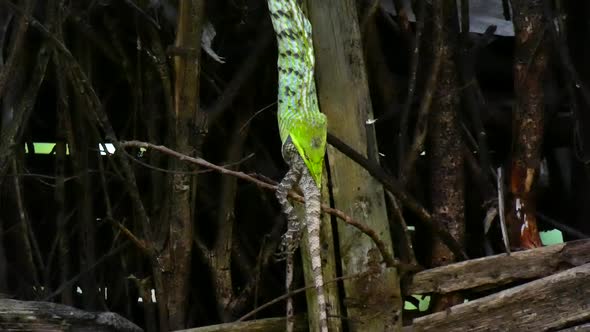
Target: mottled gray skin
(299,174)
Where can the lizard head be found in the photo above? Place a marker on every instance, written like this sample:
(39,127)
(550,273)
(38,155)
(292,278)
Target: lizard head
(309,137)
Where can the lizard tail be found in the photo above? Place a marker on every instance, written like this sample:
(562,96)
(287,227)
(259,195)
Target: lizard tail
(313,221)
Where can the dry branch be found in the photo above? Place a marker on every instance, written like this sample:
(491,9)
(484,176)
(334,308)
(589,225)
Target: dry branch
(500,269)
(390,261)
(421,129)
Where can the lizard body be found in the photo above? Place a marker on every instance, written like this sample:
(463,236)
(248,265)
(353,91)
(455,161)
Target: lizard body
(303,130)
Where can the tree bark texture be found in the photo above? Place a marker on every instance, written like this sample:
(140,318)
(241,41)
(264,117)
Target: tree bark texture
(530,65)
(373,303)
(173,264)
(446,147)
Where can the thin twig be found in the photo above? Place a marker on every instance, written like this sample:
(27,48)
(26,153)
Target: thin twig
(421,128)
(99,261)
(32,250)
(407,241)
(501,210)
(143,14)
(473,98)
(163,170)
(403,125)
(138,243)
(302,289)
(267,251)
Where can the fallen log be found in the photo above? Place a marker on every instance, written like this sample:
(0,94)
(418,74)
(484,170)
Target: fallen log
(493,271)
(46,316)
(555,302)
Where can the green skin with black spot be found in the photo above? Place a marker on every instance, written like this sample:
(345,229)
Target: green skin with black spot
(299,116)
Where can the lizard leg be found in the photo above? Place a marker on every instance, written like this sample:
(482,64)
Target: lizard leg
(291,238)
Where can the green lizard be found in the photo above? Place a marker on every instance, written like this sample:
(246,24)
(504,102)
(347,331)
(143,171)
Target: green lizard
(303,129)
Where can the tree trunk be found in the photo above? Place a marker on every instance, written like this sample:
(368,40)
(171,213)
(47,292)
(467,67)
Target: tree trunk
(446,153)
(375,304)
(173,265)
(529,70)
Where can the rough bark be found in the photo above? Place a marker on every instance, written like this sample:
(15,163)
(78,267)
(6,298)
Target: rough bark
(529,71)
(173,264)
(446,149)
(372,305)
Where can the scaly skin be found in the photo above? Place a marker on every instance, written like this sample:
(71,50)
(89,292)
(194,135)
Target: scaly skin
(299,116)
(299,174)
(303,129)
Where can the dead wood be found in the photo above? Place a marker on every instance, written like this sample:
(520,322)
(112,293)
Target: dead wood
(546,304)
(501,269)
(46,316)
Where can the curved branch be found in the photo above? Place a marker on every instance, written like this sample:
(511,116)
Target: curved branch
(390,261)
